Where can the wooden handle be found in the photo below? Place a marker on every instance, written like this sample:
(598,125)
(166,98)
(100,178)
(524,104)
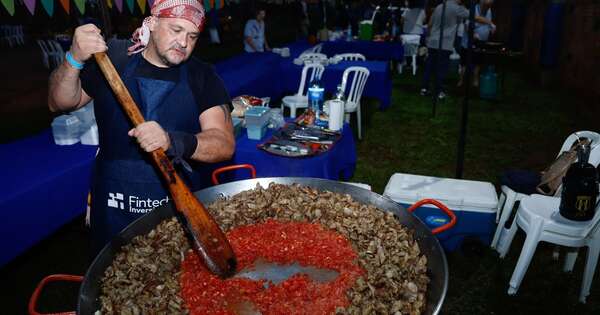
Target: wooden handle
(209,240)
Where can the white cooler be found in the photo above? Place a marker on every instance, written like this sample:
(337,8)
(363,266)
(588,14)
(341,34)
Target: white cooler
(473,202)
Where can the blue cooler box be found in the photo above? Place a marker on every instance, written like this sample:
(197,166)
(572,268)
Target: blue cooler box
(473,202)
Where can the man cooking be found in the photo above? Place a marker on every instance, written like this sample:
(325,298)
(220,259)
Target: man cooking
(182,99)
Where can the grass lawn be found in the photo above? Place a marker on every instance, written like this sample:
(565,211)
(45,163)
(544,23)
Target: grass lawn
(524,130)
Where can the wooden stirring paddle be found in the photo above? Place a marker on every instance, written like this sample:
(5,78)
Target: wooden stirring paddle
(209,241)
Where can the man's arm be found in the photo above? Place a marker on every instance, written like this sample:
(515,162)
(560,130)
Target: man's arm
(482,20)
(249,34)
(463,13)
(251,43)
(216,142)
(64,89)
(420,18)
(267,47)
(430,23)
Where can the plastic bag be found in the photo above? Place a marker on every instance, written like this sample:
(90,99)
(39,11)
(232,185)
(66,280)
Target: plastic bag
(242,102)
(276,119)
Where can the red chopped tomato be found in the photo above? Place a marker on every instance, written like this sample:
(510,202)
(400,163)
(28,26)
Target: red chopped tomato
(279,242)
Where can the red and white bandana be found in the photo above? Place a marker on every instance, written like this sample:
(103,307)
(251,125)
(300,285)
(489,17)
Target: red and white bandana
(190,10)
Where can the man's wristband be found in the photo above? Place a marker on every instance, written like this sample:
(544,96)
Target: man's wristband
(183,144)
(74,63)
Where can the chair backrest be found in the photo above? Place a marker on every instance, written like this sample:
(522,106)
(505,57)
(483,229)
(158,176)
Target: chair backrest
(357,85)
(594,158)
(310,71)
(317,48)
(54,47)
(313,56)
(49,47)
(594,137)
(42,45)
(351,57)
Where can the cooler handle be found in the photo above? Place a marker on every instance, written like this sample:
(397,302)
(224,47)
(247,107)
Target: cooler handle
(442,207)
(220,170)
(38,290)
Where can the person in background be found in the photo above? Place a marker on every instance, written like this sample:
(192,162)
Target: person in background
(484,27)
(455,11)
(184,103)
(254,33)
(413,19)
(302,20)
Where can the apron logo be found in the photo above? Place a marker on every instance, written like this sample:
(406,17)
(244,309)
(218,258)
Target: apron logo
(135,204)
(115,200)
(139,205)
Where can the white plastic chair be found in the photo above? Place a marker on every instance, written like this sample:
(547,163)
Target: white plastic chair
(314,56)
(18,34)
(539,217)
(313,50)
(45,55)
(317,48)
(509,197)
(410,43)
(300,99)
(310,57)
(55,51)
(350,57)
(357,85)
(7,35)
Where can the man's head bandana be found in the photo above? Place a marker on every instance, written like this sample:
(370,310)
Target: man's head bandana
(190,10)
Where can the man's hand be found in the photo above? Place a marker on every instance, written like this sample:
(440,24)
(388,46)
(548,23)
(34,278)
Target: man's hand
(151,136)
(87,40)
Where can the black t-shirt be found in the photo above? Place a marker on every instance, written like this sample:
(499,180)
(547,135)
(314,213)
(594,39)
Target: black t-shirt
(207,87)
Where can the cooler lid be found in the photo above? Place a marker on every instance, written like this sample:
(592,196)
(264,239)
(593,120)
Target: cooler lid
(455,193)
(256,111)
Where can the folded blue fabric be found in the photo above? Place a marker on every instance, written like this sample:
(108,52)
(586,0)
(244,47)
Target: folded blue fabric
(521,181)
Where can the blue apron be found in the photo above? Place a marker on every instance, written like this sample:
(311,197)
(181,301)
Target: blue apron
(125,184)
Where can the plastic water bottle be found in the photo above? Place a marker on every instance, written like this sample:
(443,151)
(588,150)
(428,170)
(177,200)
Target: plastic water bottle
(315,96)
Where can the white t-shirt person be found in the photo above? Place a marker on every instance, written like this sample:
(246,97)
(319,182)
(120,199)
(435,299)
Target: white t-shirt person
(254,34)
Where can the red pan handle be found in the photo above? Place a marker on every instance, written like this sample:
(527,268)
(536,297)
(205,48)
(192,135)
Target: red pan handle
(38,290)
(442,207)
(220,170)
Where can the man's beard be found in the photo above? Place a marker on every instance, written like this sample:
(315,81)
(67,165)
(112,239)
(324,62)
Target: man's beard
(166,61)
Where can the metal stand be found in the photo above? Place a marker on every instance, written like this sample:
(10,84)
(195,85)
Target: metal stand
(462,138)
(437,59)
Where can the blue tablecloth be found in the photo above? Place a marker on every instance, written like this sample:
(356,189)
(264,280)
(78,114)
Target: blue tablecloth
(43,187)
(379,83)
(251,73)
(384,51)
(268,74)
(338,163)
